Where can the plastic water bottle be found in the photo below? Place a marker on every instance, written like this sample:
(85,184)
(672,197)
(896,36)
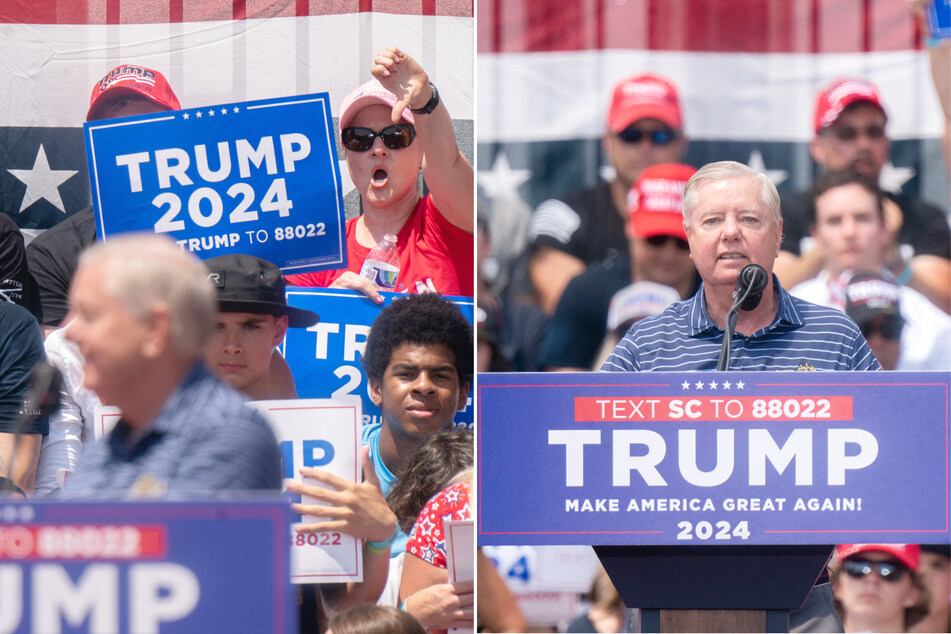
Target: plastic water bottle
(382,265)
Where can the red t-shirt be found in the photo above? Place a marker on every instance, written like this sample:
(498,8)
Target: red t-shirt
(435,255)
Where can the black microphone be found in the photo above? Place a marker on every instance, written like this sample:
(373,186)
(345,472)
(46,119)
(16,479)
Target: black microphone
(750,284)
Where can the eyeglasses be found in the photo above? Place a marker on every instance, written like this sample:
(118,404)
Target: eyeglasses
(661,240)
(657,137)
(395,137)
(858,569)
(889,329)
(848,133)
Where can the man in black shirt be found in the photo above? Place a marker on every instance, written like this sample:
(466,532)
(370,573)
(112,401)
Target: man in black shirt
(658,253)
(53,255)
(644,128)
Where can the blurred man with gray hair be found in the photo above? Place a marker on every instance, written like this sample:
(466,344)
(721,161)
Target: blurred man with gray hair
(142,311)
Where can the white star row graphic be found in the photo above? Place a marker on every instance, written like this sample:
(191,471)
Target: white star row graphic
(210,112)
(503,181)
(712,385)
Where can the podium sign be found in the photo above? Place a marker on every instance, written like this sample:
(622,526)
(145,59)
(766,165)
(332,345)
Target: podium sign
(730,458)
(214,566)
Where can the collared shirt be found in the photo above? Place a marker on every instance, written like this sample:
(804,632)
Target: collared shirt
(204,440)
(802,336)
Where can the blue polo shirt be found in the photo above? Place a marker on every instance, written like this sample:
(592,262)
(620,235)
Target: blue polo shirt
(802,336)
(204,441)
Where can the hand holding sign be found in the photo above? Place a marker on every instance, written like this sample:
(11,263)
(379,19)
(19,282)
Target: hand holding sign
(359,510)
(443,605)
(354,282)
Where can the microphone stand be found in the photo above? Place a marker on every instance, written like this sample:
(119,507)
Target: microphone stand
(747,286)
(723,363)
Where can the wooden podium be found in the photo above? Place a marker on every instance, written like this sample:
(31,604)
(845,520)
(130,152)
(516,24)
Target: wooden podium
(714,588)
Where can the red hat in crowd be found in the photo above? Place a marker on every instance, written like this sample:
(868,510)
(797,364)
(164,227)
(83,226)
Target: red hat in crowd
(654,202)
(646,96)
(132,80)
(908,554)
(372,92)
(843,93)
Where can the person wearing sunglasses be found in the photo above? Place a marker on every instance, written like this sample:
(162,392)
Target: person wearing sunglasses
(390,128)
(658,255)
(850,133)
(587,226)
(905,331)
(877,587)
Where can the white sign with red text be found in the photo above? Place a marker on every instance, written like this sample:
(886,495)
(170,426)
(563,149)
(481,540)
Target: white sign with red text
(320,433)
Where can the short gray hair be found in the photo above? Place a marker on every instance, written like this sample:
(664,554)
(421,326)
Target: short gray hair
(729,169)
(145,270)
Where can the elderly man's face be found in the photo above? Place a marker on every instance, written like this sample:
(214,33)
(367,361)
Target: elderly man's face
(731,227)
(116,345)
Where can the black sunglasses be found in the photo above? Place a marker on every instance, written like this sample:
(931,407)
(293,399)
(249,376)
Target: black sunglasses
(657,137)
(858,568)
(661,240)
(848,133)
(889,329)
(395,137)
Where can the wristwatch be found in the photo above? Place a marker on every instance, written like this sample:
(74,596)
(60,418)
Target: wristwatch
(430,105)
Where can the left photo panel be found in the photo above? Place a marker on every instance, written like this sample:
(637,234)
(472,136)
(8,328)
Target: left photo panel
(237,268)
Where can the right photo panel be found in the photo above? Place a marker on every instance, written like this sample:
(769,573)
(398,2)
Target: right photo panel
(713,297)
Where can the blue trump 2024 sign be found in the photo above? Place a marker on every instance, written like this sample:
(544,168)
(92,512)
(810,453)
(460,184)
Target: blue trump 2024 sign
(325,358)
(258,177)
(212,566)
(713,458)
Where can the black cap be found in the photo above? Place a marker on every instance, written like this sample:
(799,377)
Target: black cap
(870,295)
(247,284)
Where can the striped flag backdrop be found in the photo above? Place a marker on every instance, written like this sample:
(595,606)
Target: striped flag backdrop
(748,72)
(211,51)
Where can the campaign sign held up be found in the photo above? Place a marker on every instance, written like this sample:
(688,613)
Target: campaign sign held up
(210,566)
(700,458)
(939,18)
(257,177)
(322,434)
(325,358)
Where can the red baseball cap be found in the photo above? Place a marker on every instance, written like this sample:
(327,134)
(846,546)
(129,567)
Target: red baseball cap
(654,202)
(837,97)
(646,96)
(132,80)
(908,554)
